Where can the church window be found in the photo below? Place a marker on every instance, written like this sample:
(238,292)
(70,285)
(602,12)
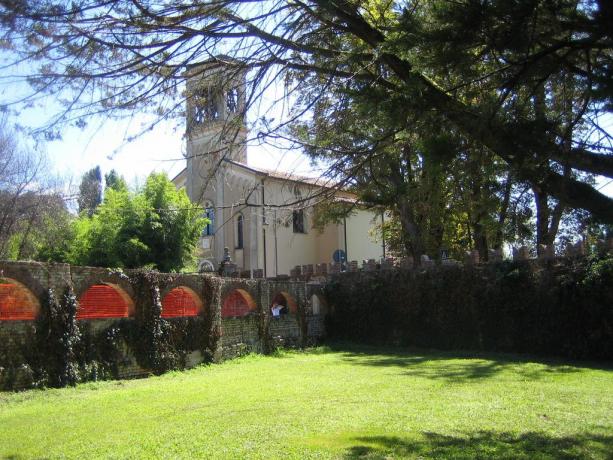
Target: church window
(298,220)
(209,213)
(232,100)
(298,214)
(239,231)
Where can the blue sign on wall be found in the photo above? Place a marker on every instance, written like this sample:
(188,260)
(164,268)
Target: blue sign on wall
(339,256)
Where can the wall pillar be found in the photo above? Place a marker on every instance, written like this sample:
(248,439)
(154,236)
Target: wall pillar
(254,237)
(220,219)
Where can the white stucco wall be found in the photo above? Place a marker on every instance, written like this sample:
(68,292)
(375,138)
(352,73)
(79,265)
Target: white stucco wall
(285,249)
(360,244)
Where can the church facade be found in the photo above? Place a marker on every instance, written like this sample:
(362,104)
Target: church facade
(263,217)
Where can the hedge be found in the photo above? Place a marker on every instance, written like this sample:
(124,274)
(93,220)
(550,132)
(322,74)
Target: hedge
(561,307)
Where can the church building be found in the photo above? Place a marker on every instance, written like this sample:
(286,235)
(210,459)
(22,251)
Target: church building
(264,217)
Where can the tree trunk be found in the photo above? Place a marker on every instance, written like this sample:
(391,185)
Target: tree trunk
(476,205)
(502,214)
(412,232)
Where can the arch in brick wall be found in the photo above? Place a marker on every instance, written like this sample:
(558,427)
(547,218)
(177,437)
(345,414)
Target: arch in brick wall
(237,303)
(287,300)
(181,301)
(105,300)
(319,304)
(17,302)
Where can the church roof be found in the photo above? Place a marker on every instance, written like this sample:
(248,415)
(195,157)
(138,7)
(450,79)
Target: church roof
(286,176)
(275,174)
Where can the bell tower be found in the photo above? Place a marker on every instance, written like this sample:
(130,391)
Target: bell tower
(215,117)
(215,131)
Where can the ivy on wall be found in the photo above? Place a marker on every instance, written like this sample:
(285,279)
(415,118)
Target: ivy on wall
(57,350)
(157,344)
(561,308)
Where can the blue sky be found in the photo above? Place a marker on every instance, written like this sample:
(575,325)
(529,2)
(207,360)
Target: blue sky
(160,150)
(105,142)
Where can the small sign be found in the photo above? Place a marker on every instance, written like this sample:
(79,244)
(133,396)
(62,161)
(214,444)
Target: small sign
(206,243)
(339,256)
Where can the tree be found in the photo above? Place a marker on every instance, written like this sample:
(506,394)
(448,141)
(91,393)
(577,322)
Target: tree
(156,228)
(119,56)
(32,209)
(90,191)
(114,181)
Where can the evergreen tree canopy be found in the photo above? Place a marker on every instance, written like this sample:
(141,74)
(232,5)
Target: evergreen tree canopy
(114,181)
(90,191)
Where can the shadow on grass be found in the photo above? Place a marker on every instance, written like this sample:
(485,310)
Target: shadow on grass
(483,445)
(457,366)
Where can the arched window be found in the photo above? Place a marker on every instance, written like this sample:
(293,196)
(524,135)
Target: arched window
(205,107)
(209,228)
(17,302)
(239,231)
(181,301)
(104,301)
(232,100)
(285,300)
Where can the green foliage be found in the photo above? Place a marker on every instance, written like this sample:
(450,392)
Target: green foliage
(172,224)
(56,237)
(157,227)
(560,309)
(38,227)
(599,274)
(444,187)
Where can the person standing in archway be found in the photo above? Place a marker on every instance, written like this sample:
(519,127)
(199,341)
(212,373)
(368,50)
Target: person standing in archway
(276,309)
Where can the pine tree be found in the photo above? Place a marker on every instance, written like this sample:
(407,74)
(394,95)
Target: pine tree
(90,191)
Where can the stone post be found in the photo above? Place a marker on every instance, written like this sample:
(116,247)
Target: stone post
(406,262)
(523,253)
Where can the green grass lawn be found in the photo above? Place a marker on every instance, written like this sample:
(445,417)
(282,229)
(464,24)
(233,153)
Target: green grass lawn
(346,402)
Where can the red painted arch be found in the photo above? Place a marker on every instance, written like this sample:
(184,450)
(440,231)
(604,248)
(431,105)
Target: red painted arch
(237,303)
(17,302)
(181,301)
(285,299)
(104,301)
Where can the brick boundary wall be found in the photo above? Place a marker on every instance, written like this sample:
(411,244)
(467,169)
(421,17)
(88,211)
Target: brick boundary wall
(550,306)
(191,340)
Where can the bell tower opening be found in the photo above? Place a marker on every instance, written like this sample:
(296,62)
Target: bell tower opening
(216,107)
